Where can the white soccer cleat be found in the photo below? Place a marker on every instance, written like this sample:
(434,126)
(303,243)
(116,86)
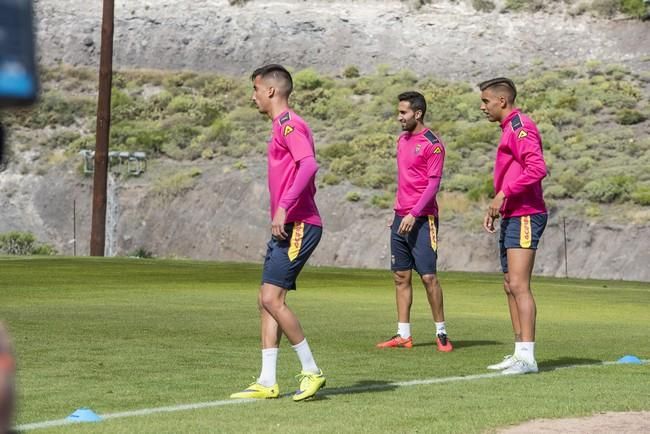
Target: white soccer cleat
(507,362)
(521,367)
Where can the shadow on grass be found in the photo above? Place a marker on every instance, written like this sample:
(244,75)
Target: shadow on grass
(362,386)
(460,344)
(565,362)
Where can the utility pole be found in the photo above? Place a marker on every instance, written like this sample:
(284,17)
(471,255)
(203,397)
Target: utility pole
(98,231)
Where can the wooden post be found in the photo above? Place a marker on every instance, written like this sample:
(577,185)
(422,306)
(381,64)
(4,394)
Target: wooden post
(98,230)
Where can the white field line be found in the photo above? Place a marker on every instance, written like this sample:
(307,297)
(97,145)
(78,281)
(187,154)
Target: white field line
(338,391)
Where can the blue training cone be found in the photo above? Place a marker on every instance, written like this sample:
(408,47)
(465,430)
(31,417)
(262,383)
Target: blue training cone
(630,359)
(84,415)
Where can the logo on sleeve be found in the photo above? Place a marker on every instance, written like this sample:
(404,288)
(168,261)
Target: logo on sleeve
(516,123)
(522,134)
(437,150)
(287,130)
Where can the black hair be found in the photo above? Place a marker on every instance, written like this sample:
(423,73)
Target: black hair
(416,99)
(501,83)
(277,72)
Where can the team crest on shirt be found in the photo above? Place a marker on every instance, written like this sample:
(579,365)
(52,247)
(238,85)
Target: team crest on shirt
(522,134)
(417,148)
(438,150)
(287,130)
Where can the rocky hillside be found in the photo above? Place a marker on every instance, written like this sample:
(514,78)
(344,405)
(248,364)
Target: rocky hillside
(217,209)
(449,38)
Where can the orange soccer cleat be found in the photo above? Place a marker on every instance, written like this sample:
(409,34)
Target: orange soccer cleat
(443,343)
(397,342)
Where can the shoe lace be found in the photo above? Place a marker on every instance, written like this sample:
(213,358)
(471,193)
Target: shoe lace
(520,363)
(304,377)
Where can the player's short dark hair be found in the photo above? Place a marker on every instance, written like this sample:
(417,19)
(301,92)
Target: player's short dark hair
(277,72)
(502,83)
(416,99)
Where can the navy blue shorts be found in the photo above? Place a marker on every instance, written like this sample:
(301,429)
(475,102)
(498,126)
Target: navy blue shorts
(521,232)
(285,258)
(416,250)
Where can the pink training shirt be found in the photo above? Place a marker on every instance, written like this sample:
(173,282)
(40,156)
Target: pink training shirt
(420,158)
(520,167)
(291,142)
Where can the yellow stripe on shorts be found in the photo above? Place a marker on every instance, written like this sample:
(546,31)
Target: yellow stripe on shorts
(432,233)
(525,232)
(296,240)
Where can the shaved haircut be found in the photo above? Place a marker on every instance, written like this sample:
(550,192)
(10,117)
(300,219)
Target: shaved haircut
(501,85)
(278,74)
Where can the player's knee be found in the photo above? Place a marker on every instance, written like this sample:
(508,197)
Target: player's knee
(517,286)
(430,280)
(269,302)
(402,280)
(506,285)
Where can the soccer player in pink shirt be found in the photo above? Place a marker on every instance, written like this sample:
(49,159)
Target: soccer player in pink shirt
(7,381)
(518,173)
(296,229)
(414,231)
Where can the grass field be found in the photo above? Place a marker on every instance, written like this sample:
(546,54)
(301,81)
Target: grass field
(119,335)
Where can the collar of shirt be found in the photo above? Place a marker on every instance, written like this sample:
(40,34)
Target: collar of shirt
(508,118)
(409,136)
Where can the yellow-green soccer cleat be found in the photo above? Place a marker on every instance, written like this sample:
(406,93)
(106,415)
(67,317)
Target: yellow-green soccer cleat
(257,391)
(310,383)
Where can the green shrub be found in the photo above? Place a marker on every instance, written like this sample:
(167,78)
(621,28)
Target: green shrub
(555,191)
(483,190)
(384,200)
(351,72)
(307,79)
(641,195)
(629,117)
(605,8)
(330,179)
(62,139)
(571,182)
(55,109)
(136,135)
(83,142)
(334,151)
(353,196)
(179,131)
(141,253)
(634,8)
(22,244)
(462,182)
(377,175)
(610,189)
(169,187)
(483,5)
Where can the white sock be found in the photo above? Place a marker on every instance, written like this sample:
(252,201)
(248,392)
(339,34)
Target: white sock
(517,348)
(306,358)
(269,363)
(525,351)
(404,329)
(440,328)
